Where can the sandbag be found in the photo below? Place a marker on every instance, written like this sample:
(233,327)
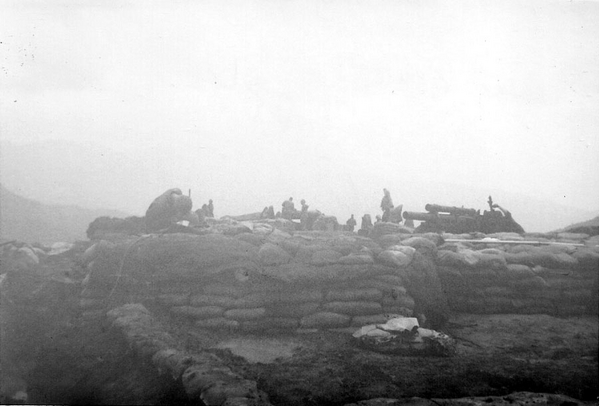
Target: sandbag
(295,310)
(404,249)
(272,255)
(496,291)
(359,321)
(353,308)
(567,282)
(262,229)
(325,257)
(516,272)
(204,312)
(325,320)
(245,314)
(305,252)
(257,299)
(199,300)
(284,323)
(397,310)
(174,299)
(300,296)
(390,239)
(480,277)
(232,229)
(423,245)
(383,228)
(290,246)
(348,295)
(436,238)
(401,300)
(491,261)
(297,273)
(587,259)
(218,289)
(392,280)
(394,258)
(463,258)
(381,285)
(354,259)
(524,287)
(221,392)
(174,361)
(217,322)
(572,236)
(491,251)
(252,238)
(542,257)
(175,287)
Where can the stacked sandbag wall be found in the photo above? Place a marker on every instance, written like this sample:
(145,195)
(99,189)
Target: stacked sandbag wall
(558,276)
(204,376)
(258,281)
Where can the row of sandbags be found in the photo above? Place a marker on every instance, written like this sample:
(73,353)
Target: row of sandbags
(248,265)
(506,305)
(18,255)
(466,255)
(204,376)
(519,289)
(554,278)
(271,306)
(354,305)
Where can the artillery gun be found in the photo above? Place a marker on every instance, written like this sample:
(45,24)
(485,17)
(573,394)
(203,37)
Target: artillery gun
(459,220)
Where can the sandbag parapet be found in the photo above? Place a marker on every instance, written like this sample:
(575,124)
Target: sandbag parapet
(204,376)
(305,280)
(550,277)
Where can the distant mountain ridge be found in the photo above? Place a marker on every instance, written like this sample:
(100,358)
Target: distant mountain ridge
(586,227)
(31,221)
(93,175)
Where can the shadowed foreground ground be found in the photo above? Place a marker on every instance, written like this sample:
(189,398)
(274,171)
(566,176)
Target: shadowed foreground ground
(501,354)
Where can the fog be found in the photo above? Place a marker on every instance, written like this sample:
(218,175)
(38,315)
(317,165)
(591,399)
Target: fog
(250,102)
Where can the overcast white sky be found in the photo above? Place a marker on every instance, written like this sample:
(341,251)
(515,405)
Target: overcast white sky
(297,98)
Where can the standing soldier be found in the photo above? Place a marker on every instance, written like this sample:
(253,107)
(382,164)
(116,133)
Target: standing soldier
(288,209)
(210,208)
(304,215)
(386,205)
(366,225)
(351,223)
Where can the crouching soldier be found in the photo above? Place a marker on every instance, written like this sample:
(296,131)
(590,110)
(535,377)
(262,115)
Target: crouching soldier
(168,209)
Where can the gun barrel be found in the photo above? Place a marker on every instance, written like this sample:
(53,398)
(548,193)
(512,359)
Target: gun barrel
(460,211)
(412,215)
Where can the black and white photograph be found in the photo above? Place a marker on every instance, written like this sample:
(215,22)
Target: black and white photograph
(299,202)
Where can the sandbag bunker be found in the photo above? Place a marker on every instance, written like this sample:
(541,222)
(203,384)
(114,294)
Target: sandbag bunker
(254,282)
(269,279)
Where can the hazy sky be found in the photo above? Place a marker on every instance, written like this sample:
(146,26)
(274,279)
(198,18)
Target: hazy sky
(272,99)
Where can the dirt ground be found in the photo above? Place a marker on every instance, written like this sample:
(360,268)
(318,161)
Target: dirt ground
(497,355)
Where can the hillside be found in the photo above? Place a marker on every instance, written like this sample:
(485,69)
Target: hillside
(590,227)
(31,221)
